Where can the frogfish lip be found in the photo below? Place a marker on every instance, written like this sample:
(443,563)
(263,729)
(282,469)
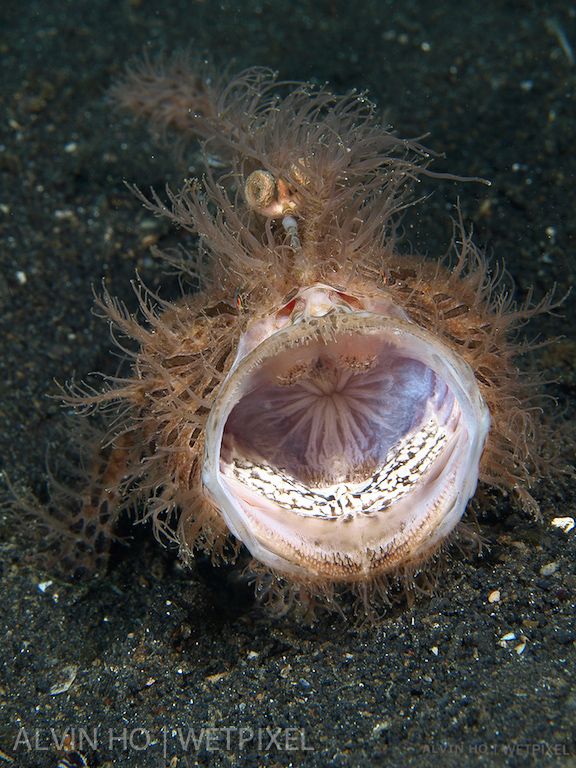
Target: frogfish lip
(345,446)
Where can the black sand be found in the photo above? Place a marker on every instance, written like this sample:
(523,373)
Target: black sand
(154,647)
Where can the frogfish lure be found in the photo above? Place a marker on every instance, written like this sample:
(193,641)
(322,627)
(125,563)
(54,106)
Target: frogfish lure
(322,399)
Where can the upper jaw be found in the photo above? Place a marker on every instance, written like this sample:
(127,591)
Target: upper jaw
(317,300)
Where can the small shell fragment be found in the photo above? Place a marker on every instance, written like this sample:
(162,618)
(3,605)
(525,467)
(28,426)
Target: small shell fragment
(66,677)
(506,638)
(565,524)
(494,596)
(216,677)
(549,569)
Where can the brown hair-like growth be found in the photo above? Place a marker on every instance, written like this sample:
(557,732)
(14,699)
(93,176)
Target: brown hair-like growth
(306,190)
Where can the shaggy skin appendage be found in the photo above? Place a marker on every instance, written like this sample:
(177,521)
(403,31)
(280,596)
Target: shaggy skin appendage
(305,309)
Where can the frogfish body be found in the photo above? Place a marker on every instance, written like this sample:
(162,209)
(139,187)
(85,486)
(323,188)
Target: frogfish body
(324,400)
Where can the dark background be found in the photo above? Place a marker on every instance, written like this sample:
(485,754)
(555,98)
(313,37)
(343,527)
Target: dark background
(156,646)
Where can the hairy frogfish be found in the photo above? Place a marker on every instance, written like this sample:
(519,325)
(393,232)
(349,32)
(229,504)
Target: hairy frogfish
(321,399)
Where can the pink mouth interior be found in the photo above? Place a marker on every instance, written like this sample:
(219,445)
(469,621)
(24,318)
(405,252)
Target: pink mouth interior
(326,413)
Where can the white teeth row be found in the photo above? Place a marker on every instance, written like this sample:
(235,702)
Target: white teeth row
(406,464)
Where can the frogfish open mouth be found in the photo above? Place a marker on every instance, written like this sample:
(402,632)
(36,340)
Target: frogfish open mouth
(323,399)
(345,441)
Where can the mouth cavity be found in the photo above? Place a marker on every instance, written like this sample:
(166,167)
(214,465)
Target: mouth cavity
(344,446)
